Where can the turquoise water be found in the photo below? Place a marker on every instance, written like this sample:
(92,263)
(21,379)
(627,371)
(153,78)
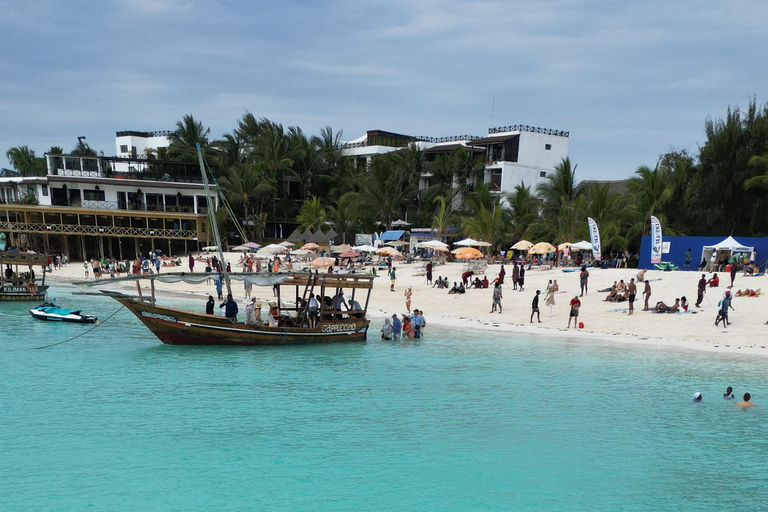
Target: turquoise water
(116,421)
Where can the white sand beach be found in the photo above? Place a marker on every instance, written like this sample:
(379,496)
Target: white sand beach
(692,330)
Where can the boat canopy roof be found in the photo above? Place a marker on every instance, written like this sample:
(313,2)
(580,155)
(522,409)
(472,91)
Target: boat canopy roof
(22,258)
(255,278)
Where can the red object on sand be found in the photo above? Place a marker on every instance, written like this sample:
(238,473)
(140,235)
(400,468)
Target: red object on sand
(581,325)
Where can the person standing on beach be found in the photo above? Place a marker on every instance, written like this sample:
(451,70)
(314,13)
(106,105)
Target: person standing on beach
(702,288)
(535,307)
(392,279)
(408,293)
(574,314)
(521,279)
(429,273)
(502,273)
(583,279)
(723,314)
(191,263)
(515,275)
(631,293)
(687,265)
(496,298)
(733,271)
(647,293)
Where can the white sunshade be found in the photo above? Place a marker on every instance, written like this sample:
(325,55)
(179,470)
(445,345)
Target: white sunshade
(469,242)
(434,243)
(274,248)
(365,248)
(581,246)
(729,244)
(286,244)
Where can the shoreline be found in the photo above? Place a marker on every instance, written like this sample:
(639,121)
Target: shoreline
(604,321)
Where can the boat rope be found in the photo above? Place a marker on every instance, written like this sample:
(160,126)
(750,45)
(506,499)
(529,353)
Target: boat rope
(81,334)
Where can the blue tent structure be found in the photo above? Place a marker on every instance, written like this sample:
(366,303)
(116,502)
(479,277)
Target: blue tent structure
(391,236)
(678,245)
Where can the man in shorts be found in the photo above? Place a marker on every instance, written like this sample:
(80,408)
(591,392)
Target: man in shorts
(574,315)
(631,293)
(702,287)
(535,307)
(392,279)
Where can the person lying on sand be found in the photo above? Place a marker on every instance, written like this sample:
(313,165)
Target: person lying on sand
(748,293)
(609,289)
(663,308)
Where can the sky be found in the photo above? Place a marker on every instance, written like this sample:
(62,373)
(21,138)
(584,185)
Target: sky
(628,80)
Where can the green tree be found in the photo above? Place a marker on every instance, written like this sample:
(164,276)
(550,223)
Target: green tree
(184,140)
(650,191)
(312,215)
(524,211)
(343,216)
(23,160)
(444,217)
(386,188)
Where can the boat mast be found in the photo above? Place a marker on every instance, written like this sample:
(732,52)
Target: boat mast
(212,217)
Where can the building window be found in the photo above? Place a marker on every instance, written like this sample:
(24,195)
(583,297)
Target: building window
(124,149)
(547,146)
(542,174)
(45,190)
(93,195)
(495,184)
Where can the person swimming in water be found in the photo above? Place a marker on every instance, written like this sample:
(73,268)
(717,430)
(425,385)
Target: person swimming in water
(746,402)
(697,397)
(729,393)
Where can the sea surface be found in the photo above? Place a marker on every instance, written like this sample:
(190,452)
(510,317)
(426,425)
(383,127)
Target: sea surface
(458,421)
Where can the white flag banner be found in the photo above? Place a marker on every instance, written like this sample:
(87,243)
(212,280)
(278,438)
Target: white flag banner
(656,244)
(594,237)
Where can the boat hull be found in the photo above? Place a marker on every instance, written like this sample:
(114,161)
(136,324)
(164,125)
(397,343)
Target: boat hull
(179,327)
(20,293)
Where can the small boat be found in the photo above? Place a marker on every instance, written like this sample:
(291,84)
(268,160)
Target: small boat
(53,313)
(17,285)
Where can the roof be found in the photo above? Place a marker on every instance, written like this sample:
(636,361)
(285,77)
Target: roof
(389,236)
(496,139)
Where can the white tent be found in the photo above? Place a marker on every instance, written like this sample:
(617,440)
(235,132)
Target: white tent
(729,246)
(581,246)
(469,242)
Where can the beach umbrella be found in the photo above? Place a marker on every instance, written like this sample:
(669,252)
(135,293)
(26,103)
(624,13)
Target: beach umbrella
(264,255)
(274,248)
(542,248)
(251,245)
(350,254)
(241,248)
(581,246)
(211,248)
(469,242)
(399,223)
(286,244)
(390,251)
(322,262)
(467,253)
(301,252)
(522,245)
(310,245)
(396,243)
(365,248)
(562,246)
(436,245)
(342,248)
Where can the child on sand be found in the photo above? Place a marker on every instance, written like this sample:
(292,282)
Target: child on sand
(574,315)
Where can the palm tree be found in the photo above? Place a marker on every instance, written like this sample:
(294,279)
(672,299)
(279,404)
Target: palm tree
(558,188)
(56,150)
(343,216)
(273,149)
(184,140)
(611,213)
(386,188)
(23,160)
(247,185)
(524,210)
(311,215)
(651,192)
(444,217)
(487,224)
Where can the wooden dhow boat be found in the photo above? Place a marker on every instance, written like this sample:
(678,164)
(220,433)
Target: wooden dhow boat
(290,322)
(17,285)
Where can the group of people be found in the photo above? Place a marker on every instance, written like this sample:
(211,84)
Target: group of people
(728,395)
(410,327)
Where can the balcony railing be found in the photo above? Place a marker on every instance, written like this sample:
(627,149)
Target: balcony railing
(526,128)
(115,205)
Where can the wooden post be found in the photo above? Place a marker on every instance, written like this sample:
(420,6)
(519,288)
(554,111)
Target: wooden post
(152,290)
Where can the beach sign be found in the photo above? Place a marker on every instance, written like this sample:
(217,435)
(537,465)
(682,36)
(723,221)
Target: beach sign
(594,236)
(656,243)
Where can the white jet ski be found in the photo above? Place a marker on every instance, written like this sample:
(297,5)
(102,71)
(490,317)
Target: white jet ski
(53,313)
